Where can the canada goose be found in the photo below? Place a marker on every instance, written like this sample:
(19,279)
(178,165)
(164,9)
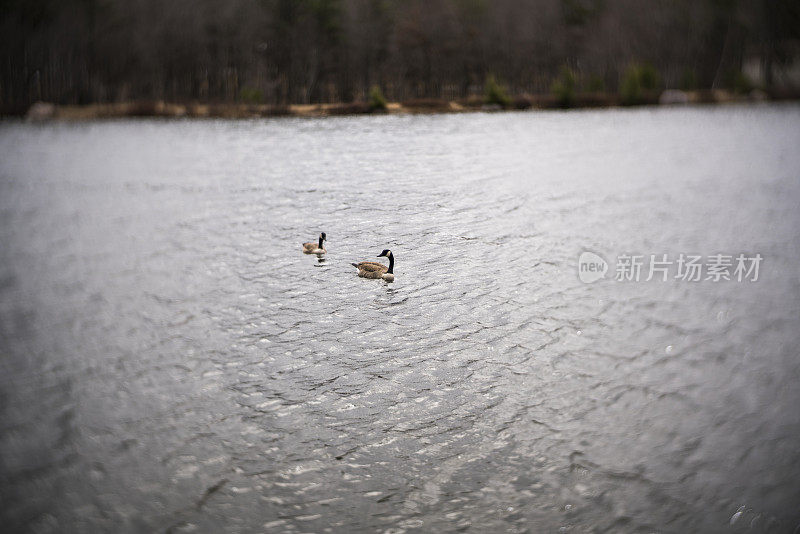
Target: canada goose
(315,248)
(374,269)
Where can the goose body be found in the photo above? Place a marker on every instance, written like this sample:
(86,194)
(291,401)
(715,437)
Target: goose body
(376,270)
(315,248)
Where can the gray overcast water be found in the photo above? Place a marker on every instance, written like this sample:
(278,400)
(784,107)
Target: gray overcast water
(171,361)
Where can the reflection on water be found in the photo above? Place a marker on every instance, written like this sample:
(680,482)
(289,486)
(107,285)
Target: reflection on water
(172,361)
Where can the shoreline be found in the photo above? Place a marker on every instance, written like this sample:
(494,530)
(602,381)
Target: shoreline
(42,111)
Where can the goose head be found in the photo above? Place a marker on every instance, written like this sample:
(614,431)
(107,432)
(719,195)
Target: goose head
(323,237)
(389,274)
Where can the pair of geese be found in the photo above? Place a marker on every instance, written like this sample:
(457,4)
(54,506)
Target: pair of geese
(366,269)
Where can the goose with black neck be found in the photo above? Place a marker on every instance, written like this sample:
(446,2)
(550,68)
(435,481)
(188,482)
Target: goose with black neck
(315,248)
(377,270)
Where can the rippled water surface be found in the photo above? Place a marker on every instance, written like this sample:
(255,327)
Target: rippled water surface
(171,361)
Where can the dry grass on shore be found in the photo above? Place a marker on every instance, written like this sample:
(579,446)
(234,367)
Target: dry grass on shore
(45,111)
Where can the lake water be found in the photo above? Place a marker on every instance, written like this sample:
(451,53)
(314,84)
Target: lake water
(172,362)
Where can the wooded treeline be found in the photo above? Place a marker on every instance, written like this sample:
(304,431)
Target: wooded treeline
(308,51)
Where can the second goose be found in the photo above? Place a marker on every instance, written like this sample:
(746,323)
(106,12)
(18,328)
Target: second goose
(374,269)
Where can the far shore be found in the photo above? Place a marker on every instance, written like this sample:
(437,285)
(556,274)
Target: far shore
(239,110)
